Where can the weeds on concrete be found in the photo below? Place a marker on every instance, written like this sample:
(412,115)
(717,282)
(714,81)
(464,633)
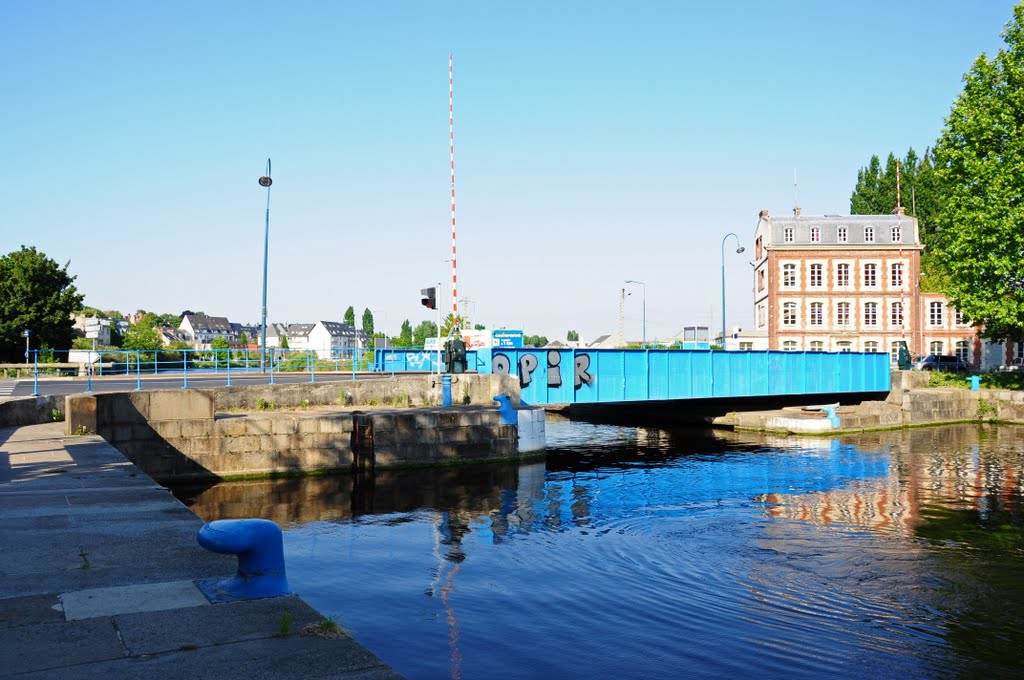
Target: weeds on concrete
(56,415)
(342,397)
(82,431)
(372,402)
(304,405)
(264,405)
(284,625)
(326,628)
(85,559)
(986,409)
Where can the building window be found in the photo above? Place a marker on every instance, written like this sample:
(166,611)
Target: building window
(869,234)
(843,275)
(789,276)
(789,314)
(789,346)
(870,346)
(760,316)
(894,351)
(757,248)
(963,350)
(958,318)
(843,314)
(841,235)
(746,346)
(816,313)
(870,313)
(896,317)
(817,346)
(844,346)
(935,347)
(870,275)
(896,275)
(935,313)
(896,235)
(815,234)
(760,279)
(815,275)
(787,234)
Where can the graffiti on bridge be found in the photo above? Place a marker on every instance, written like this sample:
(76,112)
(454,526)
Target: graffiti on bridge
(528,363)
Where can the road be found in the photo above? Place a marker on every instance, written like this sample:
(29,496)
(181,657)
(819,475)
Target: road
(54,386)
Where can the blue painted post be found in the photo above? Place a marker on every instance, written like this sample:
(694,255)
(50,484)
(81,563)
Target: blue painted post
(229,368)
(271,365)
(975,382)
(138,369)
(184,369)
(88,373)
(312,367)
(35,375)
(446,390)
(260,550)
(156,361)
(215,362)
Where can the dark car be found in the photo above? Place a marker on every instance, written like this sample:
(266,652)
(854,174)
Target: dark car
(942,362)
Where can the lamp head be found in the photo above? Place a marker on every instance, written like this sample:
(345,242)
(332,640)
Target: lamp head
(740,249)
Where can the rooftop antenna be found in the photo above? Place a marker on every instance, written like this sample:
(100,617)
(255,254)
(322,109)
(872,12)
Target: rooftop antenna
(451,140)
(796,199)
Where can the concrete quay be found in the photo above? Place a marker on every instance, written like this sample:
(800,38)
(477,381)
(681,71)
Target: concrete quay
(97,571)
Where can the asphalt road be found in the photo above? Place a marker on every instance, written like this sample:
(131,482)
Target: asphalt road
(52,386)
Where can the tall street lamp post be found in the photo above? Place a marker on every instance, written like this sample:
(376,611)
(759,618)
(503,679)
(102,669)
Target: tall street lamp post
(265,181)
(641,283)
(739,249)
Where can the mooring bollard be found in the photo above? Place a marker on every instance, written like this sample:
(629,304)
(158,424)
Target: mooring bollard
(975,382)
(446,390)
(506,411)
(260,551)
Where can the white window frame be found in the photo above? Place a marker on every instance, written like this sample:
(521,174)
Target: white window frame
(896,313)
(896,234)
(871,313)
(789,316)
(873,268)
(963,350)
(896,275)
(788,268)
(935,347)
(871,346)
(816,311)
(843,274)
(787,234)
(817,346)
(815,234)
(842,235)
(869,234)
(812,280)
(789,345)
(843,313)
(935,313)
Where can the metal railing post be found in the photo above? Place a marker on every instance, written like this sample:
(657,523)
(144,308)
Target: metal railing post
(229,368)
(88,373)
(184,369)
(312,367)
(138,369)
(35,375)
(271,365)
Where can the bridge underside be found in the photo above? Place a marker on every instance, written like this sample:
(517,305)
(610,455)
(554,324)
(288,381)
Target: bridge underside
(701,411)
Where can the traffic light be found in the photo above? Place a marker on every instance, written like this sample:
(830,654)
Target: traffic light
(428,298)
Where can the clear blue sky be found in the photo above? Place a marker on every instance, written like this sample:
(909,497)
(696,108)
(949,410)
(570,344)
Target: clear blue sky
(595,142)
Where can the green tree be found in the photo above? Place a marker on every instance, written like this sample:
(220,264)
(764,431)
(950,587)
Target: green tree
(35,294)
(979,158)
(219,343)
(534,341)
(284,342)
(479,327)
(368,322)
(447,324)
(142,336)
(405,335)
(350,316)
(426,329)
(243,339)
(572,336)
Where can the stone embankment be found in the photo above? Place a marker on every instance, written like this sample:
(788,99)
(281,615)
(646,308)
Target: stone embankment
(910,403)
(244,431)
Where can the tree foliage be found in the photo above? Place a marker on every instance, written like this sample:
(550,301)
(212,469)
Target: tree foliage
(405,335)
(426,329)
(980,164)
(368,322)
(142,336)
(534,341)
(350,316)
(35,294)
(572,336)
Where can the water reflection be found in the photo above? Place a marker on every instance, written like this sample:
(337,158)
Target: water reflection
(636,552)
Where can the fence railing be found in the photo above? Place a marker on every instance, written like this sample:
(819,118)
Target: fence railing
(186,363)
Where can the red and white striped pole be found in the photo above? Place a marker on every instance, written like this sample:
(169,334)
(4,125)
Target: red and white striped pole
(905,270)
(451,140)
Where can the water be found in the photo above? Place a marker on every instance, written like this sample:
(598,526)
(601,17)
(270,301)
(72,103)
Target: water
(634,553)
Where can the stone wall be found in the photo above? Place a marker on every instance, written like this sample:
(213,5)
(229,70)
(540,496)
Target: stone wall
(18,411)
(173,434)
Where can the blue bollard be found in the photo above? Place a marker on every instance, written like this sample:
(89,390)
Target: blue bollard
(260,551)
(833,419)
(506,411)
(446,390)
(975,382)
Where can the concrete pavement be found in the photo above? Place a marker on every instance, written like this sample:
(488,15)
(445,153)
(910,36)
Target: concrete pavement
(97,571)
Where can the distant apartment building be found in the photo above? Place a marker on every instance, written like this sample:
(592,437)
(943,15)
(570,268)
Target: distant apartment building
(851,283)
(93,328)
(201,330)
(327,338)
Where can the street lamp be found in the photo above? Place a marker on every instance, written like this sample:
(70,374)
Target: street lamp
(265,181)
(739,249)
(641,283)
(26,333)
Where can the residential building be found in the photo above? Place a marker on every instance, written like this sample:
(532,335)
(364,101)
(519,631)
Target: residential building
(93,328)
(202,330)
(850,283)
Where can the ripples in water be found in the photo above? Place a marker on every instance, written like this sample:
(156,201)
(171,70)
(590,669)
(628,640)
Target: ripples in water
(643,553)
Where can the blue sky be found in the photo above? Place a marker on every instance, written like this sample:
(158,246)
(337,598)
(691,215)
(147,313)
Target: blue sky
(595,142)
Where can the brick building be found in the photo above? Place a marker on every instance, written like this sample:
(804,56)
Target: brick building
(850,283)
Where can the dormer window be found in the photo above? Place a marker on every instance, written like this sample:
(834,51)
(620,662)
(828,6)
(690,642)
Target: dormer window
(841,234)
(896,234)
(815,234)
(869,234)
(787,234)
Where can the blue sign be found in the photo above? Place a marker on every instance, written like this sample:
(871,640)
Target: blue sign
(506,338)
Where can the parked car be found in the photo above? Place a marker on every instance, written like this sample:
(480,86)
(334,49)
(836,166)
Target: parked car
(942,362)
(1015,366)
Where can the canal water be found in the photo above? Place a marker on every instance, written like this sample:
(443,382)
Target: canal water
(639,553)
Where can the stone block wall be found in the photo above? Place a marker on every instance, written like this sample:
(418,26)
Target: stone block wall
(18,411)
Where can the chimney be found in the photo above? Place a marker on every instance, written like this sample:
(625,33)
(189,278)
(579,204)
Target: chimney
(900,210)
(796,211)
(763,215)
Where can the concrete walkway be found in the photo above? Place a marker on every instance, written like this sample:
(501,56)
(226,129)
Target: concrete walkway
(97,564)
